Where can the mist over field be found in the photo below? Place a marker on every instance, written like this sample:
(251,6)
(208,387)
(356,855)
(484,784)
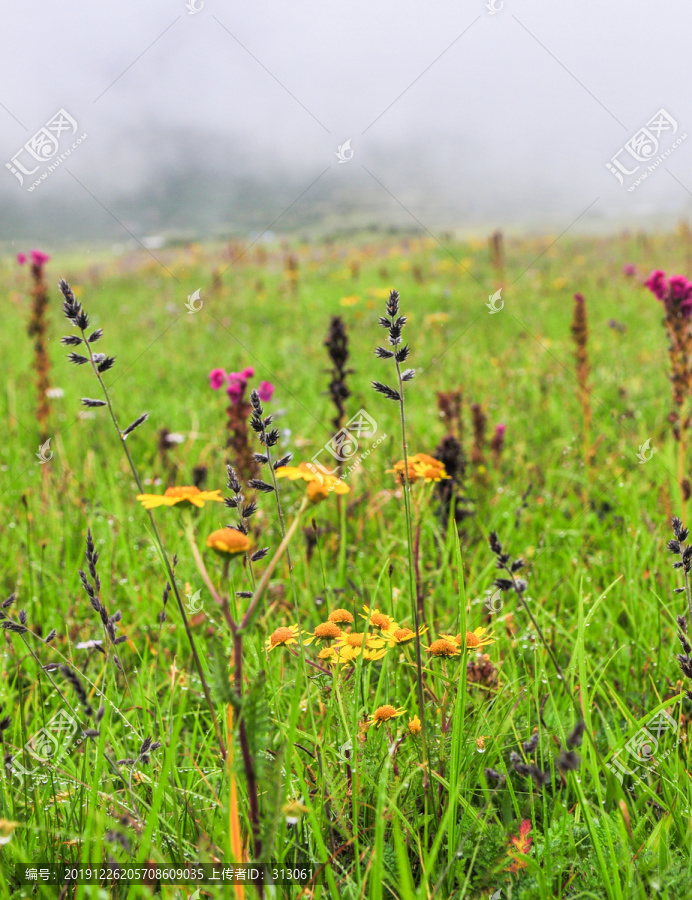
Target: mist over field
(227,118)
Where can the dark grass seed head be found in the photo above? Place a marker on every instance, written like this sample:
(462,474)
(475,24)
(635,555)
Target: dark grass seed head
(530,745)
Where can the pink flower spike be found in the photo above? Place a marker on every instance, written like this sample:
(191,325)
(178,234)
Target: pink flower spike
(247,373)
(216,378)
(38,257)
(265,391)
(500,430)
(629,269)
(21,258)
(579,298)
(235,391)
(680,288)
(234,377)
(657,284)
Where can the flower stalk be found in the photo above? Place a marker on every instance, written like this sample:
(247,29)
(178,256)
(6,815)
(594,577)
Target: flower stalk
(395,323)
(99,364)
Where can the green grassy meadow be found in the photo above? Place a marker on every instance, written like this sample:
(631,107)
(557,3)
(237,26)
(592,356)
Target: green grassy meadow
(396,817)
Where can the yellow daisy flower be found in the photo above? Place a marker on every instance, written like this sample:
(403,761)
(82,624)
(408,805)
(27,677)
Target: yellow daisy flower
(354,643)
(385,713)
(329,655)
(404,635)
(282,637)
(379,620)
(421,466)
(320,484)
(474,639)
(348,654)
(173,495)
(414,725)
(294,472)
(330,485)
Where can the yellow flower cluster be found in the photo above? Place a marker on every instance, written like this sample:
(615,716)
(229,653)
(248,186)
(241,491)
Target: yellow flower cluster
(342,643)
(449,645)
(421,466)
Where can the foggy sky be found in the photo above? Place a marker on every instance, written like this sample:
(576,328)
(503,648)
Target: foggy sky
(457,117)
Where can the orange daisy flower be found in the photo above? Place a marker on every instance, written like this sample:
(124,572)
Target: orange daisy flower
(282,637)
(443,648)
(228,541)
(421,466)
(327,631)
(385,713)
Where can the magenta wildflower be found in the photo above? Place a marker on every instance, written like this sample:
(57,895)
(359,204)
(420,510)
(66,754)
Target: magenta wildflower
(656,283)
(235,390)
(497,441)
(680,288)
(629,269)
(674,292)
(265,391)
(236,382)
(21,258)
(38,257)
(216,378)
